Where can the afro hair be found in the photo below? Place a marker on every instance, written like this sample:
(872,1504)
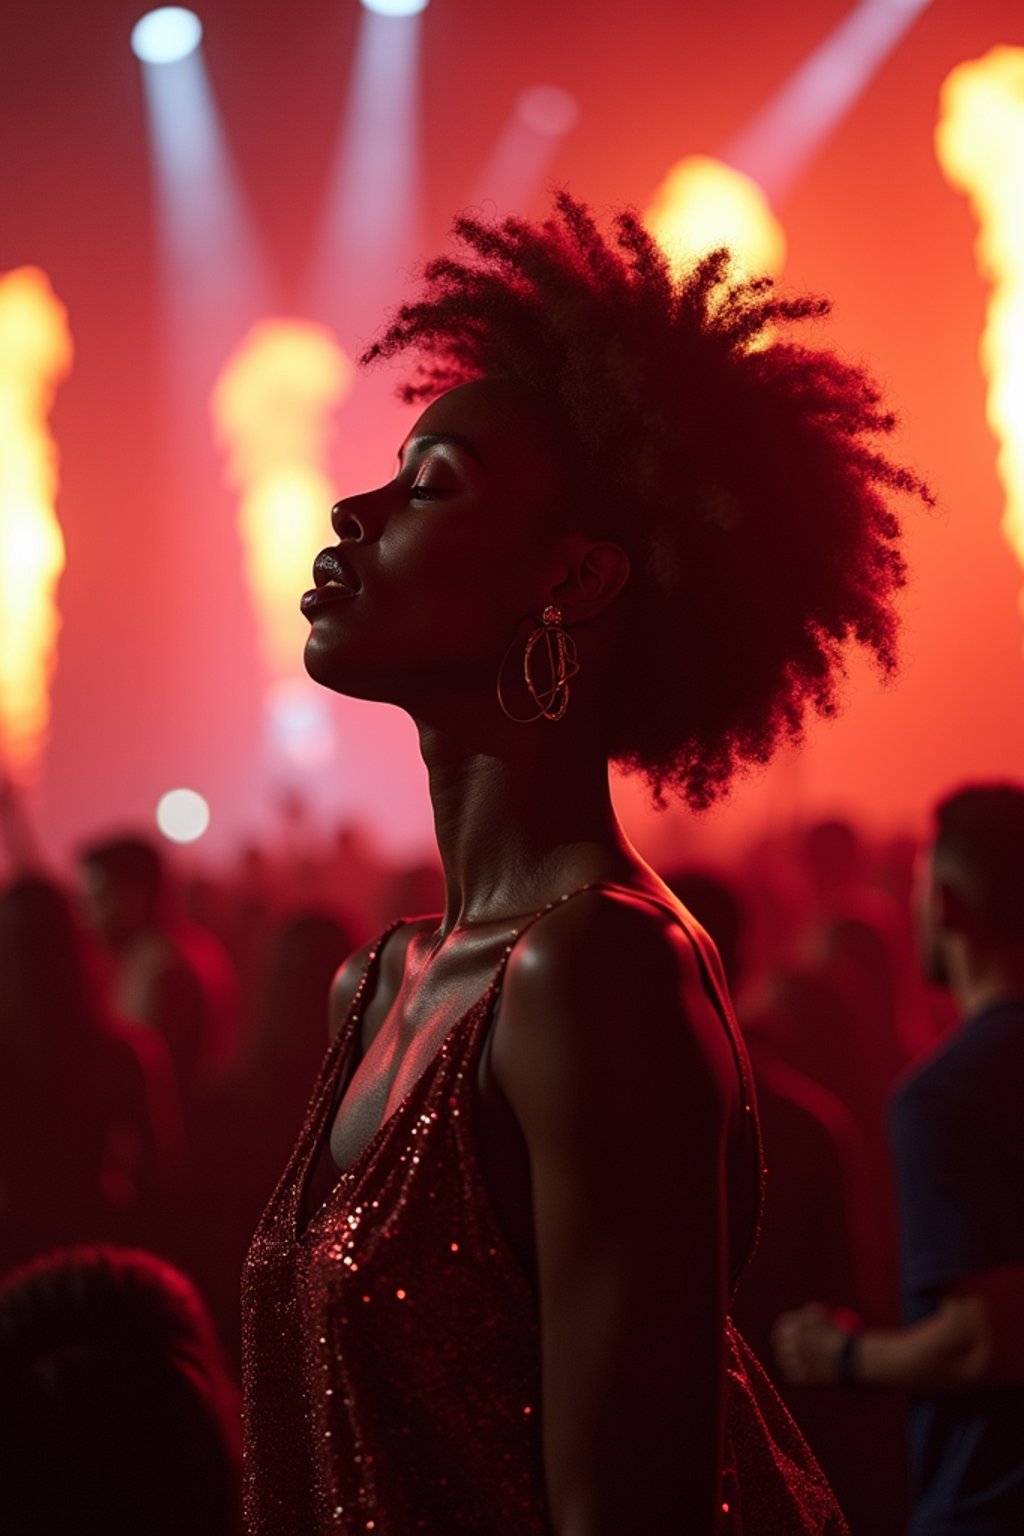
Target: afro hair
(739,468)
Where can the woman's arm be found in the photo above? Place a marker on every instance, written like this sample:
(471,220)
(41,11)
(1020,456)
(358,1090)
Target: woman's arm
(622,1079)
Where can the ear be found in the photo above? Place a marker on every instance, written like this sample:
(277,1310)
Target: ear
(950,912)
(597,573)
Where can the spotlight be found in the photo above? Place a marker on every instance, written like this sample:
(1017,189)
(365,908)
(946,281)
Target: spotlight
(548,110)
(182,815)
(166,35)
(396,7)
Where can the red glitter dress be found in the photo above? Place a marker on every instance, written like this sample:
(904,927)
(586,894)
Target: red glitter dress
(391,1346)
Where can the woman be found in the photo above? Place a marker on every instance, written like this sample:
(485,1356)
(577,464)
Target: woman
(489,1294)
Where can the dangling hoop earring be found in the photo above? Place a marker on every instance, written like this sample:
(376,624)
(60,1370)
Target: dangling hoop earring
(558,661)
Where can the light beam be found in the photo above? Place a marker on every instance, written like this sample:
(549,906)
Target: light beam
(543,115)
(778,143)
(370,223)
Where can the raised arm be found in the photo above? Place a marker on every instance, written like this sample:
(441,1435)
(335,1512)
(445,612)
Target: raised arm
(622,1079)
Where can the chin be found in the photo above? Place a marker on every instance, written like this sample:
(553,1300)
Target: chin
(327,666)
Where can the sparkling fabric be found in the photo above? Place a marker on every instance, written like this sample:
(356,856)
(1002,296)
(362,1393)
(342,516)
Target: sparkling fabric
(391,1349)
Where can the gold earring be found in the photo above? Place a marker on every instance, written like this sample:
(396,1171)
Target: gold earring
(557,661)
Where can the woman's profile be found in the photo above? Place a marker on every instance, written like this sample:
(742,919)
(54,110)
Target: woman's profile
(636,523)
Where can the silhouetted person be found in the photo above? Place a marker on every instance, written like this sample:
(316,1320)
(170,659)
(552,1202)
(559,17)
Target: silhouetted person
(817,1232)
(168,973)
(270,1088)
(90,1135)
(958,1141)
(116,1413)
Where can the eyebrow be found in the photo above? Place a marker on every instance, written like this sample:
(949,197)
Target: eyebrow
(435,439)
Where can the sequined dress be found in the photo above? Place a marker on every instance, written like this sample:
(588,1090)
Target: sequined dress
(391,1345)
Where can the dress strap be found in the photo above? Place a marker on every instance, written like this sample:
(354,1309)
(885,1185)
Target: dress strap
(354,1010)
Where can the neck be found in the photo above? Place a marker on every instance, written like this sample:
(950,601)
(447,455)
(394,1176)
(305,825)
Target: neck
(516,830)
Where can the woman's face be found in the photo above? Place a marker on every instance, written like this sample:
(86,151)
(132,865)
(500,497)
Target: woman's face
(435,571)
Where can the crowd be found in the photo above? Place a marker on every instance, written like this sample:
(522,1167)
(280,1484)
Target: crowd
(159,1036)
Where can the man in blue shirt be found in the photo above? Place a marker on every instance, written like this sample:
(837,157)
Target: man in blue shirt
(957,1128)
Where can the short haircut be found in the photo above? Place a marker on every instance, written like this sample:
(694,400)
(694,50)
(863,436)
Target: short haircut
(116,1411)
(979,842)
(739,468)
(127,860)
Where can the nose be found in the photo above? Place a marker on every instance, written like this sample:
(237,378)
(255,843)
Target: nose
(360,519)
(347,523)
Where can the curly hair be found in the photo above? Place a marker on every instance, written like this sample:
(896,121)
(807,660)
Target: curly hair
(738,468)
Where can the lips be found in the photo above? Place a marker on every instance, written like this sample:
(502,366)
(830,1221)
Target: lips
(335,581)
(329,569)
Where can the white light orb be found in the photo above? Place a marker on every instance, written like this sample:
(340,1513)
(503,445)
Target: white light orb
(548,110)
(299,724)
(396,7)
(166,35)
(182,815)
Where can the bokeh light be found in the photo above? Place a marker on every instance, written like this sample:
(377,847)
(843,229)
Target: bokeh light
(704,203)
(273,406)
(182,815)
(35,354)
(166,35)
(548,110)
(979,141)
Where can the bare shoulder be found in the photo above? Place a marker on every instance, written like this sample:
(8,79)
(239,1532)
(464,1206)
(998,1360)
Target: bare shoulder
(603,939)
(604,1004)
(346,981)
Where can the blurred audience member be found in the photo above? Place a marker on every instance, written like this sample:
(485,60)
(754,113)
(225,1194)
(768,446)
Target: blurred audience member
(958,1140)
(269,1093)
(817,1221)
(116,1413)
(169,973)
(89,1126)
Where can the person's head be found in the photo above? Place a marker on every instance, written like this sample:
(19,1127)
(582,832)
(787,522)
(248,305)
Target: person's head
(833,853)
(718,907)
(48,985)
(116,1412)
(123,886)
(971,888)
(701,494)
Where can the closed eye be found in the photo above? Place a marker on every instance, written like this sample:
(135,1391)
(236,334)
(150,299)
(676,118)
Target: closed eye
(429,492)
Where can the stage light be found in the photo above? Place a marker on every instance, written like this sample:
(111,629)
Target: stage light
(548,110)
(979,142)
(35,355)
(182,815)
(213,279)
(272,408)
(396,7)
(166,35)
(369,234)
(703,204)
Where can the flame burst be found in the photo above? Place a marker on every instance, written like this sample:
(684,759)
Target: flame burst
(704,203)
(272,406)
(979,141)
(35,355)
